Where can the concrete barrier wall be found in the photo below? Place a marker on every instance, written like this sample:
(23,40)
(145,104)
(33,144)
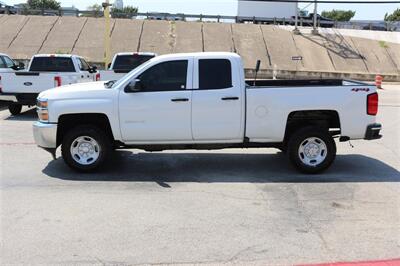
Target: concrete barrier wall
(63,36)
(330,52)
(30,38)
(125,35)
(158,37)
(10,27)
(217,37)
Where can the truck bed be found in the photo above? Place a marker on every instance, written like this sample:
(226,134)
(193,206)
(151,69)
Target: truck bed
(302,83)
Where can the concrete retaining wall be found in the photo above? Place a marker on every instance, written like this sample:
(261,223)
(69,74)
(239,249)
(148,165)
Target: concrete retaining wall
(330,52)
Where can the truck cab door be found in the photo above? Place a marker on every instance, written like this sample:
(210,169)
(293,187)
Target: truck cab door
(161,110)
(218,101)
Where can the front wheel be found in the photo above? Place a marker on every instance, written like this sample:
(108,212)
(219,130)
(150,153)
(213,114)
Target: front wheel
(15,109)
(85,148)
(311,149)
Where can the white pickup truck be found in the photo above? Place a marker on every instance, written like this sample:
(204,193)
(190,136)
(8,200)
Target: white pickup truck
(44,72)
(8,65)
(201,101)
(123,63)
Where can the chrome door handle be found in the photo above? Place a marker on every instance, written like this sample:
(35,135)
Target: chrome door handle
(180,100)
(230,98)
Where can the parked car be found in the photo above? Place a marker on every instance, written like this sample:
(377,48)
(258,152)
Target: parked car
(4,8)
(45,71)
(202,101)
(308,21)
(123,63)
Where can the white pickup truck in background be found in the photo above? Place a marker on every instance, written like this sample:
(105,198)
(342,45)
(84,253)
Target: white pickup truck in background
(123,63)
(44,72)
(202,101)
(9,65)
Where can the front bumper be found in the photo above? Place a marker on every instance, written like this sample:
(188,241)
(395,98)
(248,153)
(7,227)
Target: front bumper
(45,135)
(373,132)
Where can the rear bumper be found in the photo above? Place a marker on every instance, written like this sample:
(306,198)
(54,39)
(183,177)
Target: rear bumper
(45,135)
(8,97)
(22,98)
(373,132)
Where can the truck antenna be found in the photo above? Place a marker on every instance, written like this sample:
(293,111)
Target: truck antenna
(256,71)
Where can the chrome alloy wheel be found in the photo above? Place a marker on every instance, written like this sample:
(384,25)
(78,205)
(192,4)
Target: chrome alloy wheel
(85,150)
(312,151)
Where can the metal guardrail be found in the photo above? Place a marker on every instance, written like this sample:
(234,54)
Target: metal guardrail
(360,25)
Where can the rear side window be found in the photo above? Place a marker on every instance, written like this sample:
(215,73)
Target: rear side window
(2,63)
(215,74)
(52,64)
(130,62)
(9,63)
(83,65)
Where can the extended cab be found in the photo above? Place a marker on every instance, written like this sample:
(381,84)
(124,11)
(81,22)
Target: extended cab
(123,63)
(44,72)
(202,101)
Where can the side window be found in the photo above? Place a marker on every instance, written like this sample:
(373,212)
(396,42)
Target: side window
(166,76)
(83,65)
(215,74)
(2,63)
(9,62)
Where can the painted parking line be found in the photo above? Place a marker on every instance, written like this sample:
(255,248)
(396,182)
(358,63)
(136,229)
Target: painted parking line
(391,262)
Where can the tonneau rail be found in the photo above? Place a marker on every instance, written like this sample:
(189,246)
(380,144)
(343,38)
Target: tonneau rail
(303,83)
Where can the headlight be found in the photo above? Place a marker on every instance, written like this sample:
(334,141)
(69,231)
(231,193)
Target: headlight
(43,112)
(42,103)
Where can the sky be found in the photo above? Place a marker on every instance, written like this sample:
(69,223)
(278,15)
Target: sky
(226,7)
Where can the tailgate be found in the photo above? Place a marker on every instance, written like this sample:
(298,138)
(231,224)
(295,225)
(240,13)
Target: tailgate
(27,82)
(106,75)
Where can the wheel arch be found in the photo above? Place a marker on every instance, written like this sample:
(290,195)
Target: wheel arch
(69,121)
(328,119)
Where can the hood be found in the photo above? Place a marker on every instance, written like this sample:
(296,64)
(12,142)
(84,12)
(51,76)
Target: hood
(78,90)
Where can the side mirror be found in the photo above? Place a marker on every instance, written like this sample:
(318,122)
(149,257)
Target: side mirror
(20,66)
(93,69)
(133,86)
(109,66)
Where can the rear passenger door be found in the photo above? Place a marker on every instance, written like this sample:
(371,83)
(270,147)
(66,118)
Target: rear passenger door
(217,101)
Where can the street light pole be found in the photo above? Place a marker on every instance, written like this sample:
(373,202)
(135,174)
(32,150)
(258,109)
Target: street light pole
(315,29)
(107,38)
(296,22)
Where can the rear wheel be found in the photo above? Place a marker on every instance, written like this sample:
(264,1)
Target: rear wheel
(85,148)
(15,109)
(311,149)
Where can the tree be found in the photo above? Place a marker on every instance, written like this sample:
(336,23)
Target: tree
(43,4)
(339,15)
(395,16)
(96,11)
(126,12)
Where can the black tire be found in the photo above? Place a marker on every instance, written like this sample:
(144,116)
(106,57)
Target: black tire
(300,136)
(103,141)
(15,109)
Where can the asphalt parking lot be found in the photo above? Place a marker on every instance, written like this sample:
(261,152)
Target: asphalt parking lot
(229,206)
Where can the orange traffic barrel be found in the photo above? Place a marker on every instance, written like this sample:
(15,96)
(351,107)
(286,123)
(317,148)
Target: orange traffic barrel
(378,81)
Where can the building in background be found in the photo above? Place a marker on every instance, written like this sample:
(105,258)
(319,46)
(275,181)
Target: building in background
(260,9)
(118,4)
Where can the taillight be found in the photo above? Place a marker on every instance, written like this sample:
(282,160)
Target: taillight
(372,104)
(57,81)
(98,77)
